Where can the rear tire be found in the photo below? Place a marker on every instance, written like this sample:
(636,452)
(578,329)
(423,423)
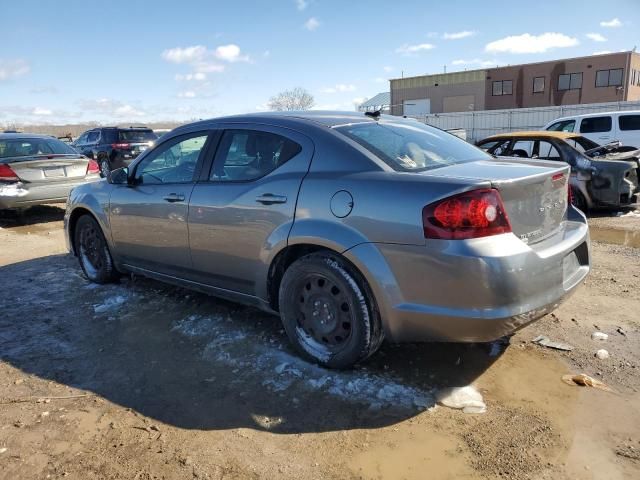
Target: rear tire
(328,311)
(105,168)
(578,200)
(93,253)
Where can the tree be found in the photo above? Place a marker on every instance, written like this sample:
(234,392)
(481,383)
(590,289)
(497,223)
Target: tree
(295,99)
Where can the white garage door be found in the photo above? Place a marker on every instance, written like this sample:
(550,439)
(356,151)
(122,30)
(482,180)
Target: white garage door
(417,108)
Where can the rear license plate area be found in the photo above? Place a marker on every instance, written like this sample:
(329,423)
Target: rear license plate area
(54,172)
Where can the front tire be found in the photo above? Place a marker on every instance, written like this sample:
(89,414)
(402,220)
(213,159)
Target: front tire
(328,311)
(93,253)
(105,168)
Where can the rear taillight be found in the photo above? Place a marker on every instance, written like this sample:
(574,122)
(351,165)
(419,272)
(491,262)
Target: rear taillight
(7,174)
(478,213)
(93,167)
(121,145)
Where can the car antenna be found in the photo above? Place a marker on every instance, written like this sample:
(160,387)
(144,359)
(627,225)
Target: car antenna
(375,115)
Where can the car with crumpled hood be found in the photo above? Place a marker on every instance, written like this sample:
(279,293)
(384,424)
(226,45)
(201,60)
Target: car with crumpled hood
(602,176)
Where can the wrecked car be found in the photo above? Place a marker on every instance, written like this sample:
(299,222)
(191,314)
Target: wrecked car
(602,176)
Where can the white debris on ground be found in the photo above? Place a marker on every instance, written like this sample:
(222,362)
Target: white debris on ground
(281,370)
(600,336)
(110,303)
(602,354)
(632,213)
(467,399)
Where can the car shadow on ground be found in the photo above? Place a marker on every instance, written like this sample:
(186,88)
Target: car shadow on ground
(31,216)
(195,362)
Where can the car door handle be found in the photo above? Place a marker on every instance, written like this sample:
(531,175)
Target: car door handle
(270,199)
(174,197)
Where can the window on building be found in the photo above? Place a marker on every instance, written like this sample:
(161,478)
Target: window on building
(629,122)
(596,124)
(609,78)
(502,87)
(570,81)
(538,85)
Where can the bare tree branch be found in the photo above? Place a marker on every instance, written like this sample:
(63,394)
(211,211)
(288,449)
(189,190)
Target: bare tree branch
(295,99)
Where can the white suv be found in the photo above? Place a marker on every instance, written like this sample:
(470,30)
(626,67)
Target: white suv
(602,127)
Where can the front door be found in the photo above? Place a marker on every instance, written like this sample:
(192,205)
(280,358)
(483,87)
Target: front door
(149,218)
(246,204)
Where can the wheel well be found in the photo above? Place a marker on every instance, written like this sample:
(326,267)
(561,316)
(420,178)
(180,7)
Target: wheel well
(280,264)
(73,220)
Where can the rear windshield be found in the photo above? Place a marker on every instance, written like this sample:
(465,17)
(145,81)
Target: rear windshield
(136,136)
(412,147)
(28,147)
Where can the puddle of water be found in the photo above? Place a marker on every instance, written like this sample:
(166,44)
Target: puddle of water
(628,238)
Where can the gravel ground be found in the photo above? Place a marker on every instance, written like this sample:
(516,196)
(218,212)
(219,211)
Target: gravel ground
(140,380)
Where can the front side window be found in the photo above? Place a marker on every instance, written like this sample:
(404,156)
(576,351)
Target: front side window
(538,85)
(172,162)
(245,155)
(522,149)
(93,137)
(502,87)
(595,124)
(411,147)
(562,126)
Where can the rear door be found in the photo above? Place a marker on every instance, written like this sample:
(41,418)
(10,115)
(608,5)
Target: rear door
(246,203)
(599,129)
(149,218)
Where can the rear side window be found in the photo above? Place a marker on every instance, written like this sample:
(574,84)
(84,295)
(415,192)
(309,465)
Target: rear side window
(136,136)
(522,148)
(562,126)
(595,124)
(412,147)
(245,155)
(629,122)
(547,151)
(93,137)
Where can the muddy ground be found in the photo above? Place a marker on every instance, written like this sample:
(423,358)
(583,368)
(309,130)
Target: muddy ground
(144,381)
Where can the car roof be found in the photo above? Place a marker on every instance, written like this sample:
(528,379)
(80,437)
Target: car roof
(23,136)
(596,114)
(534,134)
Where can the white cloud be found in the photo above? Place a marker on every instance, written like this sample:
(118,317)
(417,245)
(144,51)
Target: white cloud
(613,23)
(312,24)
(596,37)
(111,108)
(387,69)
(601,52)
(458,35)
(348,105)
(41,112)
(407,49)
(266,54)
(208,67)
(187,94)
(185,55)
(340,88)
(230,53)
(476,62)
(527,43)
(188,77)
(301,4)
(380,80)
(49,90)
(13,68)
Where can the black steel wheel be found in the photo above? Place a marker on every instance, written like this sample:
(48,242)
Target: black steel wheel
(328,311)
(93,252)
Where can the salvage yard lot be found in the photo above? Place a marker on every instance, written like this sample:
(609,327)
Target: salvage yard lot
(142,380)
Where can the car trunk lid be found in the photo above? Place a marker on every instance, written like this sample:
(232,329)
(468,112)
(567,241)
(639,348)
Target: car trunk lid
(48,168)
(534,192)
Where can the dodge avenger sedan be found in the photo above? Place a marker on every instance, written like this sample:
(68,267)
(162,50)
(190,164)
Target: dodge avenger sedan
(354,228)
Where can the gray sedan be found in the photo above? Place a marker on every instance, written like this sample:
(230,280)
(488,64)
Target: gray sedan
(37,169)
(353,228)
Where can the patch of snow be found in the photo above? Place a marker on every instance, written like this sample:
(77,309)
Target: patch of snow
(467,399)
(110,303)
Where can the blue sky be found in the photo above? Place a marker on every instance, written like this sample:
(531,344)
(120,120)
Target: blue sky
(117,61)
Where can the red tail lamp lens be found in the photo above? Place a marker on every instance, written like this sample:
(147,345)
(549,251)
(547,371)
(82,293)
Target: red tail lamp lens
(93,167)
(478,213)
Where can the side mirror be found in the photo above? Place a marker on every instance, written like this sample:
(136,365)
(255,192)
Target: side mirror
(119,176)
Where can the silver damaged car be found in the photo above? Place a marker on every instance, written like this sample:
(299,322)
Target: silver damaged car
(353,228)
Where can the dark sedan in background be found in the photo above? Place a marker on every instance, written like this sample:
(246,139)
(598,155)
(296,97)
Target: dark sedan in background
(601,175)
(37,169)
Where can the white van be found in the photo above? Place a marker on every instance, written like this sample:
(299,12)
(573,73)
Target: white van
(602,127)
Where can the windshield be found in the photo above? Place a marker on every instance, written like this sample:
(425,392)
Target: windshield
(412,147)
(136,136)
(29,147)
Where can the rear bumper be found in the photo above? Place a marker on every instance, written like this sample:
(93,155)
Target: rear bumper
(472,290)
(22,195)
